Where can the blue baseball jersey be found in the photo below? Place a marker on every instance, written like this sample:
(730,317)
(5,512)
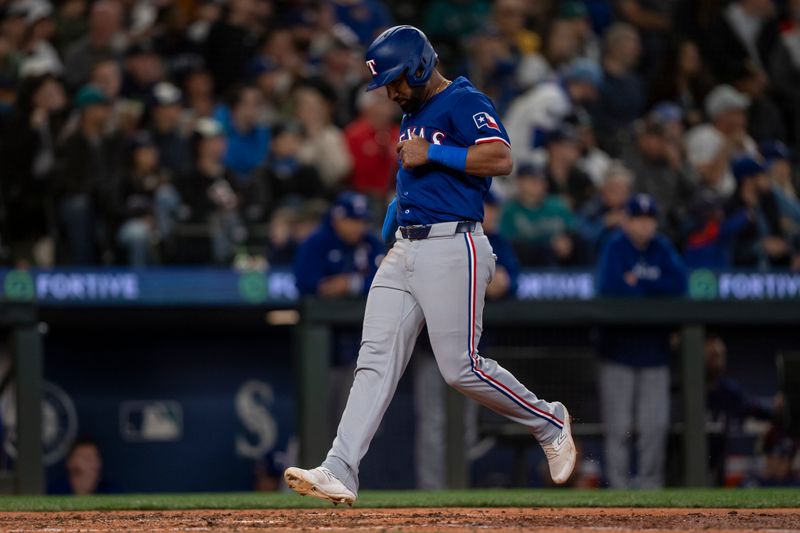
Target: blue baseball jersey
(462,116)
(324,254)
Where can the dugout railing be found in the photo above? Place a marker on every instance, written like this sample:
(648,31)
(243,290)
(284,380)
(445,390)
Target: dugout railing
(19,322)
(314,334)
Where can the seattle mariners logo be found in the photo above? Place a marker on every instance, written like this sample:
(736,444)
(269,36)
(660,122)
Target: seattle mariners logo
(485,120)
(371,65)
(59,422)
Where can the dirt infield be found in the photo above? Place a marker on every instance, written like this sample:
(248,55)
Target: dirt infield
(411,520)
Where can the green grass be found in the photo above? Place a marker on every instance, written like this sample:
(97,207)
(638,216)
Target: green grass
(743,498)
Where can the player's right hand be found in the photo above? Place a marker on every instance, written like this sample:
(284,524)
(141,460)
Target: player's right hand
(413,152)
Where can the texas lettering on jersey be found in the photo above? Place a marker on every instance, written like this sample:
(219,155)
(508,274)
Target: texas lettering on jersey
(429,134)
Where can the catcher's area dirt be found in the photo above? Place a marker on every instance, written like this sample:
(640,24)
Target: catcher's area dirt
(412,520)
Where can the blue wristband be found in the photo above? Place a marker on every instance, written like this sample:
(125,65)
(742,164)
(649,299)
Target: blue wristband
(454,157)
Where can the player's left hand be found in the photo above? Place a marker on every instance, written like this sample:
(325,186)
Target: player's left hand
(413,152)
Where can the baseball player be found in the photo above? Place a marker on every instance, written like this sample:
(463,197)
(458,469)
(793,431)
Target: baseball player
(451,143)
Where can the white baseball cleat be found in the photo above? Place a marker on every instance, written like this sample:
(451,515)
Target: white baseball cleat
(561,452)
(320,483)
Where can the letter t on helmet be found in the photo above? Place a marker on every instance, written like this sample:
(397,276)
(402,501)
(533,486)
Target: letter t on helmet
(398,50)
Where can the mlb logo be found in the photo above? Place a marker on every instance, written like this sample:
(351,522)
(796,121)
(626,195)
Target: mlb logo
(485,120)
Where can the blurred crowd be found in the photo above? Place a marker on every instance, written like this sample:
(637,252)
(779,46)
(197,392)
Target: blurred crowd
(219,131)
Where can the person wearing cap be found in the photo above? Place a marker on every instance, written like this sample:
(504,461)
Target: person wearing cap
(710,147)
(339,260)
(778,160)
(546,107)
(147,202)
(538,224)
(209,194)
(167,130)
(763,242)
(637,262)
(143,69)
(89,164)
(562,170)
(660,171)
(576,15)
(621,96)
(342,256)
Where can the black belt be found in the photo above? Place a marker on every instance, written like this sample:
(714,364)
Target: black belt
(417,233)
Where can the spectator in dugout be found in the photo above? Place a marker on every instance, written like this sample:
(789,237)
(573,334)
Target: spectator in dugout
(634,375)
(84,474)
(340,259)
(342,256)
(727,407)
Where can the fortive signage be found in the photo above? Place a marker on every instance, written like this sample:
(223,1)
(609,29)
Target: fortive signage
(170,286)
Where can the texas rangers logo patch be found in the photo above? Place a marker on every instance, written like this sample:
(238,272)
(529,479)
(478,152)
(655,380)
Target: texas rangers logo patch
(485,120)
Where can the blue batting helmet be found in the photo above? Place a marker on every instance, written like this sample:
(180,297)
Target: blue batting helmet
(397,50)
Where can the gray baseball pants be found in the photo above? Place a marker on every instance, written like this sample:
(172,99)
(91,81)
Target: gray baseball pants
(439,281)
(631,395)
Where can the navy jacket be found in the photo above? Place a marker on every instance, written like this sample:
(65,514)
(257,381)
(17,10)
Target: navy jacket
(324,254)
(507,259)
(661,272)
